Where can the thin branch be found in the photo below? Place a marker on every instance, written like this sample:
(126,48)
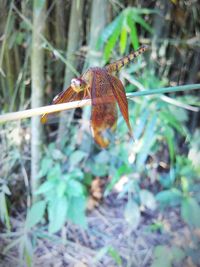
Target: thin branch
(70,105)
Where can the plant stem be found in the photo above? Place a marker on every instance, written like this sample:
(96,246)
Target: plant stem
(70,105)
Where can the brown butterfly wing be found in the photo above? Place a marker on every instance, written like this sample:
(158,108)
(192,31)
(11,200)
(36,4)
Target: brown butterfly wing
(104,113)
(120,95)
(67,95)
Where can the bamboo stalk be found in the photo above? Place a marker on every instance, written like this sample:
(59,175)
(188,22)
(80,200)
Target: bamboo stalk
(71,105)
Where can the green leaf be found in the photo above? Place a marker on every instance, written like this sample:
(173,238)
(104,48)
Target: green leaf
(190,211)
(5,189)
(143,23)
(170,197)
(123,169)
(148,199)
(61,188)
(102,157)
(112,41)
(133,32)
(45,187)
(132,214)
(45,166)
(99,169)
(76,211)
(177,254)
(54,173)
(168,118)
(115,255)
(76,157)
(108,31)
(162,257)
(35,214)
(74,188)
(75,174)
(123,40)
(57,211)
(148,140)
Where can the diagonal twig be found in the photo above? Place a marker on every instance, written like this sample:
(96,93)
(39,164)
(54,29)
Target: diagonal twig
(71,105)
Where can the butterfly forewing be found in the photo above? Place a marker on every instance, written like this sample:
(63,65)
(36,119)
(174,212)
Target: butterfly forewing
(104,112)
(120,95)
(68,95)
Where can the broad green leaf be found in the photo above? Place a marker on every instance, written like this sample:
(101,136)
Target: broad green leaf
(57,211)
(35,214)
(76,211)
(45,187)
(61,188)
(162,257)
(45,166)
(57,154)
(112,41)
(54,173)
(76,157)
(190,211)
(75,174)
(132,214)
(108,31)
(177,254)
(99,169)
(148,199)
(5,189)
(74,188)
(170,197)
(102,157)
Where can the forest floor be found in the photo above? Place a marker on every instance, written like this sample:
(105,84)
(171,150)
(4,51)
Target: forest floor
(107,228)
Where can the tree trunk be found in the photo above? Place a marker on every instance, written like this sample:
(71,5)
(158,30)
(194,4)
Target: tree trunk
(37,77)
(74,38)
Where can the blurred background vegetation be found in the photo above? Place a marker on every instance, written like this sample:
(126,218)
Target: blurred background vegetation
(64,201)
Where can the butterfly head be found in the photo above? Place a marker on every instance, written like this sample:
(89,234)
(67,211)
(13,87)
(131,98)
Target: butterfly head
(78,85)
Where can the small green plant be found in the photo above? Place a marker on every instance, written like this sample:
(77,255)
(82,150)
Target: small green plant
(180,191)
(63,191)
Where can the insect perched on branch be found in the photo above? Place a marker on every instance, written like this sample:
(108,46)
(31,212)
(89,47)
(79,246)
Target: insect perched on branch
(105,90)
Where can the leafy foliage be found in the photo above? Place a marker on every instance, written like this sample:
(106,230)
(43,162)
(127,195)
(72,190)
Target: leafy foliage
(121,27)
(64,194)
(159,170)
